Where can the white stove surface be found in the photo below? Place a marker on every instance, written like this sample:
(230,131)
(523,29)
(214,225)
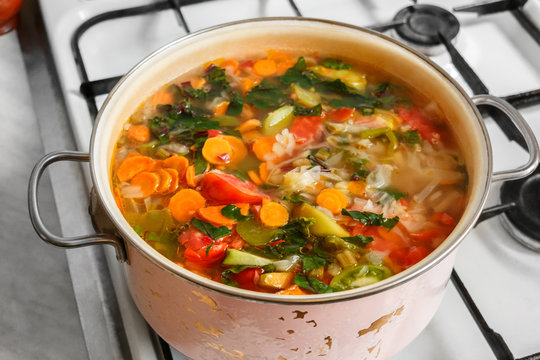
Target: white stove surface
(501,275)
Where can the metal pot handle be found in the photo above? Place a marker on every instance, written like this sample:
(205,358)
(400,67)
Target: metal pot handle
(526,132)
(37,222)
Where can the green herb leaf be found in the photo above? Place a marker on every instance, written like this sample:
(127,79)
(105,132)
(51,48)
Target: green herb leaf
(216,77)
(210,230)
(411,137)
(266,95)
(226,276)
(371,219)
(236,103)
(233,212)
(312,284)
(298,74)
(393,193)
(335,64)
(359,240)
(199,162)
(310,262)
(312,111)
(359,167)
(294,198)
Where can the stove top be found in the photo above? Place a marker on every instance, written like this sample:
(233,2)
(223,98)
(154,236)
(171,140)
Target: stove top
(95,41)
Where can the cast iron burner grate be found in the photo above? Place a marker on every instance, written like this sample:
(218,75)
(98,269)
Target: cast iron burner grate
(422,25)
(522,220)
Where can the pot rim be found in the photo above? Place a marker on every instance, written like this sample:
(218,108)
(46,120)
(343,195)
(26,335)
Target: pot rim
(441,252)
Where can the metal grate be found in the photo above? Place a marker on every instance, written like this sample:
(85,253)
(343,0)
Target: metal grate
(90,89)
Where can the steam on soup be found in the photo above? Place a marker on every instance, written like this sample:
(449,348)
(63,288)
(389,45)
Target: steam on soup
(289,174)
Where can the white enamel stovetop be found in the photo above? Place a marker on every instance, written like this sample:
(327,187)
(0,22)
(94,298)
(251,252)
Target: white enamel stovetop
(502,276)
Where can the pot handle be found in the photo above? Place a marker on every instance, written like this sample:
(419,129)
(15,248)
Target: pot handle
(526,132)
(37,222)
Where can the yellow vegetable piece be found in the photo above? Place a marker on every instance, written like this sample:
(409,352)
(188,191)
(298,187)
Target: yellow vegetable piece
(277,280)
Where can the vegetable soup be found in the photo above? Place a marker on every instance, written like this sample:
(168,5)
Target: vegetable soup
(290,174)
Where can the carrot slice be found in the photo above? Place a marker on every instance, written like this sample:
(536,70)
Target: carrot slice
(175,180)
(247,84)
(249,125)
(190,176)
(332,200)
(263,146)
(213,214)
(251,136)
(147,181)
(162,97)
(292,290)
(357,188)
(197,82)
(221,108)
(185,203)
(274,214)
(239,150)
(217,150)
(165,181)
(132,165)
(177,162)
(265,67)
(139,133)
(231,64)
(254,177)
(263,171)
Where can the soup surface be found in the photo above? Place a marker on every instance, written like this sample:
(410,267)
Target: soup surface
(289,174)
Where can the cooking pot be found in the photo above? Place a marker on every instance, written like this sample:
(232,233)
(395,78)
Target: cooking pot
(204,319)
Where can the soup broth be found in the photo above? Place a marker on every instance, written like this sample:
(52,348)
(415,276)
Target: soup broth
(292,174)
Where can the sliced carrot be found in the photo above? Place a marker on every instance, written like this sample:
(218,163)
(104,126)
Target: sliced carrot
(118,200)
(263,146)
(274,214)
(147,181)
(158,164)
(221,108)
(263,171)
(332,199)
(277,55)
(265,67)
(239,150)
(255,177)
(249,125)
(217,150)
(251,136)
(283,66)
(231,64)
(247,112)
(197,82)
(185,203)
(357,188)
(175,180)
(162,97)
(165,181)
(140,133)
(247,84)
(244,208)
(177,162)
(132,165)
(190,176)
(293,290)
(213,214)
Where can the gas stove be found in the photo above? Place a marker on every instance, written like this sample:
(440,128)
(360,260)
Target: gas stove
(491,48)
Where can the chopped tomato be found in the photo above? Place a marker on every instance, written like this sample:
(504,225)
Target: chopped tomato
(307,127)
(205,256)
(443,219)
(248,278)
(407,257)
(227,189)
(214,133)
(194,239)
(340,115)
(429,233)
(418,120)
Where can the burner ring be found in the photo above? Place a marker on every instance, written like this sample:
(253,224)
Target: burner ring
(423,23)
(523,221)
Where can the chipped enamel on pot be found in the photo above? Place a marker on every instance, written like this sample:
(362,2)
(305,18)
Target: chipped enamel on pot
(208,320)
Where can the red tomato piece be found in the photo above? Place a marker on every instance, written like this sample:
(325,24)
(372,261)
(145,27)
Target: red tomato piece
(418,120)
(427,234)
(248,279)
(205,257)
(214,133)
(340,115)
(194,239)
(307,127)
(443,219)
(416,253)
(228,189)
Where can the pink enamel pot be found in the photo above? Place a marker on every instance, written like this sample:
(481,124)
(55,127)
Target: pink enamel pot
(208,320)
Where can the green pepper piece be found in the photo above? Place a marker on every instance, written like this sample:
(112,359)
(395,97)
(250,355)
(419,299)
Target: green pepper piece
(278,120)
(360,275)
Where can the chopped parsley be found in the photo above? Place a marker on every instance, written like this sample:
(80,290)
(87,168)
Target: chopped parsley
(233,212)
(312,284)
(335,64)
(210,230)
(371,219)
